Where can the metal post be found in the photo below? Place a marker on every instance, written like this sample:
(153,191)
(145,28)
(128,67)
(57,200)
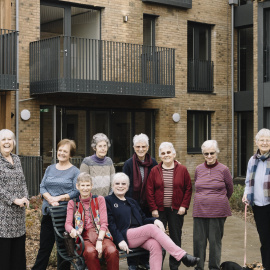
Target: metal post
(17,86)
(54,134)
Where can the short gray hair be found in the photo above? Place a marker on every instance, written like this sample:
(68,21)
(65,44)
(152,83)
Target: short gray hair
(84,177)
(166,144)
(141,138)
(264,132)
(210,143)
(99,137)
(6,133)
(120,175)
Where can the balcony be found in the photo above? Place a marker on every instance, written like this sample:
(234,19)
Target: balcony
(200,76)
(8,59)
(175,3)
(80,65)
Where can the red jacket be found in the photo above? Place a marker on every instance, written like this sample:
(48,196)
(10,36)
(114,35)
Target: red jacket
(182,188)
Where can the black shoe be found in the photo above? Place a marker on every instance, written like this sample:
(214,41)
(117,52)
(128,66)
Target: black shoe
(145,266)
(132,267)
(189,260)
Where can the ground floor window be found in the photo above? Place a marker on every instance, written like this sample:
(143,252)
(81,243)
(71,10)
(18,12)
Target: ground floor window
(198,130)
(81,124)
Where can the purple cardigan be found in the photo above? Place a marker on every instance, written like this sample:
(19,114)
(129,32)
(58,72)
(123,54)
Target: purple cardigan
(213,188)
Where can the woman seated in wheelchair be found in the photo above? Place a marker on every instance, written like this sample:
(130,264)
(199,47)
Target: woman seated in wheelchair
(89,218)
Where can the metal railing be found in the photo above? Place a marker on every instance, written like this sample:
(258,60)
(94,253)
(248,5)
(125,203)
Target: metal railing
(32,169)
(72,64)
(200,75)
(8,59)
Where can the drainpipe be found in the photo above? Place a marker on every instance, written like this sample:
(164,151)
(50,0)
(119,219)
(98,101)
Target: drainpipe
(232,3)
(17,90)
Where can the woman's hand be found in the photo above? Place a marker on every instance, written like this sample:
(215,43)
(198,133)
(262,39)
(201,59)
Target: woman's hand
(159,224)
(155,213)
(73,233)
(54,204)
(123,246)
(99,248)
(21,202)
(181,211)
(244,199)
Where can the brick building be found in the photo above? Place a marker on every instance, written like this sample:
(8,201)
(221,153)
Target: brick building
(125,67)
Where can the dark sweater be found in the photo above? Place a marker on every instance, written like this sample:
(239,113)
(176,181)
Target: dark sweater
(119,216)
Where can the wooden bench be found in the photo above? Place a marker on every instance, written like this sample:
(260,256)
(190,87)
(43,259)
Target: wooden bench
(58,214)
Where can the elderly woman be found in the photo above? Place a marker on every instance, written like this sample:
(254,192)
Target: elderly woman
(99,166)
(13,198)
(58,186)
(213,189)
(169,192)
(257,191)
(130,227)
(92,222)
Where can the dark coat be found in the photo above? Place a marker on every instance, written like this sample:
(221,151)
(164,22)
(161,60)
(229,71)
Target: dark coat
(119,216)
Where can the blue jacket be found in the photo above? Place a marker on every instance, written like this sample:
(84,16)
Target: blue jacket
(128,170)
(119,216)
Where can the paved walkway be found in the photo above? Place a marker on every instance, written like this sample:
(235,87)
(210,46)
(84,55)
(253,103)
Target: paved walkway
(232,244)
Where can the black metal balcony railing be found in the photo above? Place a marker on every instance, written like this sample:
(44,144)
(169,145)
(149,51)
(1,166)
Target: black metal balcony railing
(80,65)
(32,169)
(8,59)
(200,75)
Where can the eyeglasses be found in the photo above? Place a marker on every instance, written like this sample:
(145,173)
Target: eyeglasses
(264,141)
(118,184)
(207,154)
(142,147)
(164,153)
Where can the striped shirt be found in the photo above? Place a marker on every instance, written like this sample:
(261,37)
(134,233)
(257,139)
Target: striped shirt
(168,186)
(213,188)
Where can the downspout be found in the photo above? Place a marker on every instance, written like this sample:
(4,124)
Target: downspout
(232,3)
(17,90)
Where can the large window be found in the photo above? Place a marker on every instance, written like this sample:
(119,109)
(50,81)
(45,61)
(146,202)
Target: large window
(200,66)
(267,45)
(245,59)
(198,130)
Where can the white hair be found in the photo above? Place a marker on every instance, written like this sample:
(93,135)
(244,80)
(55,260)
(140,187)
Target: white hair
(99,137)
(141,138)
(209,144)
(6,133)
(166,144)
(264,132)
(122,176)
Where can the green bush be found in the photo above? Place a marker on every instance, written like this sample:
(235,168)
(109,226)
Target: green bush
(236,199)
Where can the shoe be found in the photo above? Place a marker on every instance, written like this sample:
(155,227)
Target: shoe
(144,266)
(132,267)
(189,260)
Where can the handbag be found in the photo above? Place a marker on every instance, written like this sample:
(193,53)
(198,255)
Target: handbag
(69,242)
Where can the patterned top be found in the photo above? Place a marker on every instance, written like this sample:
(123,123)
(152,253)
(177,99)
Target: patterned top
(168,186)
(213,188)
(13,186)
(58,182)
(101,174)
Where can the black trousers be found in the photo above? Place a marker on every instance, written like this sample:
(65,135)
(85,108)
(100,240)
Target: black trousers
(210,229)
(47,240)
(175,223)
(12,253)
(262,219)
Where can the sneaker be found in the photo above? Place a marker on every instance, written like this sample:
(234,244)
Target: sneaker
(189,260)
(132,267)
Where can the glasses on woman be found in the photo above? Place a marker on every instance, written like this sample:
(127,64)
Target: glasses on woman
(206,154)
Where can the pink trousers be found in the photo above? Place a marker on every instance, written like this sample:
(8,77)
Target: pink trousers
(151,238)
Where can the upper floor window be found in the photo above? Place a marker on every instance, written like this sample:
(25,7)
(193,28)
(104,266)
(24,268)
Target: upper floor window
(266,44)
(200,66)
(198,130)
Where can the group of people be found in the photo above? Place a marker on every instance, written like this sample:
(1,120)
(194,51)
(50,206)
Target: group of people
(131,209)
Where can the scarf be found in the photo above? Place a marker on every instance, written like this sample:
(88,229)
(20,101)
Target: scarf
(138,182)
(98,160)
(94,210)
(266,185)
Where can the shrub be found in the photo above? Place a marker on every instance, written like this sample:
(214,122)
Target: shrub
(236,199)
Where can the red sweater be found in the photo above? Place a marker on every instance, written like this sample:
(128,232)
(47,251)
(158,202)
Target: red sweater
(182,188)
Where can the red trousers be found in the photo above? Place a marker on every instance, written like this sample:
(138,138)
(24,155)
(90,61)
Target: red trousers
(109,251)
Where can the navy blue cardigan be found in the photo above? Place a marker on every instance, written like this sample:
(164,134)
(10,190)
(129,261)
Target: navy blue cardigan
(128,170)
(119,218)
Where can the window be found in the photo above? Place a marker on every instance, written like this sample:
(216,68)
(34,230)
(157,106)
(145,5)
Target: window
(198,130)
(149,30)
(267,45)
(245,59)
(200,66)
